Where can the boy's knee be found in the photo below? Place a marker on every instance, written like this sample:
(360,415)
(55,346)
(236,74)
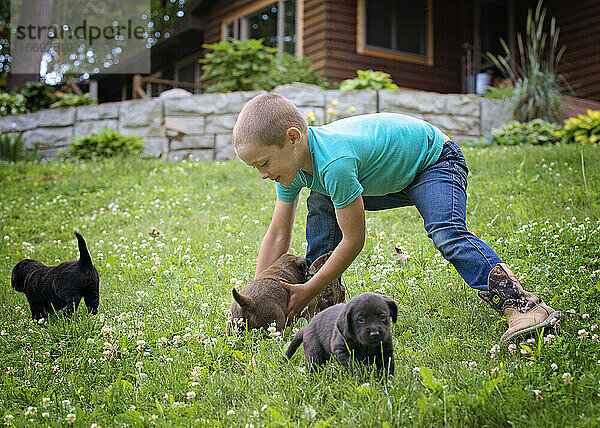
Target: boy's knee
(448,238)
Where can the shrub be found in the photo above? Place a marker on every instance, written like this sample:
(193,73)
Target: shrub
(581,129)
(533,70)
(503,93)
(12,147)
(290,69)
(70,100)
(368,79)
(103,144)
(38,95)
(12,104)
(239,65)
(535,132)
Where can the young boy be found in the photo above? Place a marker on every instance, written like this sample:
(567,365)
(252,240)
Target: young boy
(371,162)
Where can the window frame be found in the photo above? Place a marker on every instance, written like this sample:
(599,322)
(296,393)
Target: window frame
(257,5)
(364,49)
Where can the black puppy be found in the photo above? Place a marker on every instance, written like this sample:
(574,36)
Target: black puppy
(357,332)
(52,288)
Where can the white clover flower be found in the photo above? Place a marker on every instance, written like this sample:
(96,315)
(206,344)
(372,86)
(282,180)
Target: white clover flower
(230,412)
(71,418)
(537,394)
(531,340)
(45,415)
(30,411)
(512,348)
(140,344)
(8,419)
(583,334)
(567,378)
(595,337)
(584,316)
(190,395)
(494,351)
(89,340)
(553,366)
(495,370)
(416,372)
(139,365)
(472,365)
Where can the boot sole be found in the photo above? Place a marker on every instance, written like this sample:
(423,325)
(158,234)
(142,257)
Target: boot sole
(531,330)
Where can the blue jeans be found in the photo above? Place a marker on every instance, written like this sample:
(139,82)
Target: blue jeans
(439,194)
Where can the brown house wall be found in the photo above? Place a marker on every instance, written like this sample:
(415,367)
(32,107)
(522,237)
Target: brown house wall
(333,26)
(579,23)
(330,42)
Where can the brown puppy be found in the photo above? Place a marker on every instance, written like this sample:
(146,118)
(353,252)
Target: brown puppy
(334,293)
(264,300)
(356,333)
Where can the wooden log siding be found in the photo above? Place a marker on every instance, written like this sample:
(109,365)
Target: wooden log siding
(443,76)
(579,24)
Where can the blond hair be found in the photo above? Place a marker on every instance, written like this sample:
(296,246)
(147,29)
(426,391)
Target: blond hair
(265,120)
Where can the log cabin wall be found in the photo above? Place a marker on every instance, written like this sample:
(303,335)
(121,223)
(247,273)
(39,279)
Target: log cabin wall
(579,23)
(342,59)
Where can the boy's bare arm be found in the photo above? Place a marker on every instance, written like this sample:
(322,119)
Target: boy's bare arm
(277,239)
(351,220)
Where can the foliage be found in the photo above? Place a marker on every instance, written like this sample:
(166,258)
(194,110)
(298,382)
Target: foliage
(368,79)
(239,65)
(290,69)
(156,353)
(247,65)
(12,104)
(503,93)
(70,100)
(534,70)
(534,132)
(581,129)
(38,95)
(105,143)
(12,147)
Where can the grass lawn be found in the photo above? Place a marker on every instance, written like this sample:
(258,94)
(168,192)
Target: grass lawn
(156,353)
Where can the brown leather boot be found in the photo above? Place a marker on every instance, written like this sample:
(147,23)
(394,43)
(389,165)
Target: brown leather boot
(525,311)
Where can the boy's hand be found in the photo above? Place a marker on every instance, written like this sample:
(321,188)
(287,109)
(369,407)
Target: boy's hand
(300,296)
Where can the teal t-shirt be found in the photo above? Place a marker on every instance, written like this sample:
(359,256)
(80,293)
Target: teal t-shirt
(373,155)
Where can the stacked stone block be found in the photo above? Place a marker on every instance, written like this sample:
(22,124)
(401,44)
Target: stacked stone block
(210,117)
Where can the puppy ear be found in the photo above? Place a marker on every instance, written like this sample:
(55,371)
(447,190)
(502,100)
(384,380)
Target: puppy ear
(344,321)
(244,302)
(393,308)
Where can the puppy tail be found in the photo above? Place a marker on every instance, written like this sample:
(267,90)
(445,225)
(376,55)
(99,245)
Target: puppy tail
(84,256)
(296,342)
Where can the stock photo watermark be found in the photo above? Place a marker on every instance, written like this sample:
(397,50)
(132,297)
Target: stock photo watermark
(104,36)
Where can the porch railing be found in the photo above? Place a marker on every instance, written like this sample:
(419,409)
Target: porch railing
(147,87)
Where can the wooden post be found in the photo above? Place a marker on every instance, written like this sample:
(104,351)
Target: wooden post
(136,90)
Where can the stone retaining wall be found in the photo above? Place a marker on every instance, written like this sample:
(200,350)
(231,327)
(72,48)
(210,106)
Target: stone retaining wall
(210,117)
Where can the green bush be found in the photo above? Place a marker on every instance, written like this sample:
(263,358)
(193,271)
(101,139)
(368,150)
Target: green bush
(104,144)
(535,132)
(581,129)
(12,104)
(533,70)
(239,65)
(70,100)
(290,69)
(12,147)
(38,95)
(505,93)
(368,79)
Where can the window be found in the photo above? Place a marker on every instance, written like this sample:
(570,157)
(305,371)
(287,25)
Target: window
(397,29)
(274,22)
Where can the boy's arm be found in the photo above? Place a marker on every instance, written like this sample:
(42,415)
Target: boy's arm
(277,239)
(351,220)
